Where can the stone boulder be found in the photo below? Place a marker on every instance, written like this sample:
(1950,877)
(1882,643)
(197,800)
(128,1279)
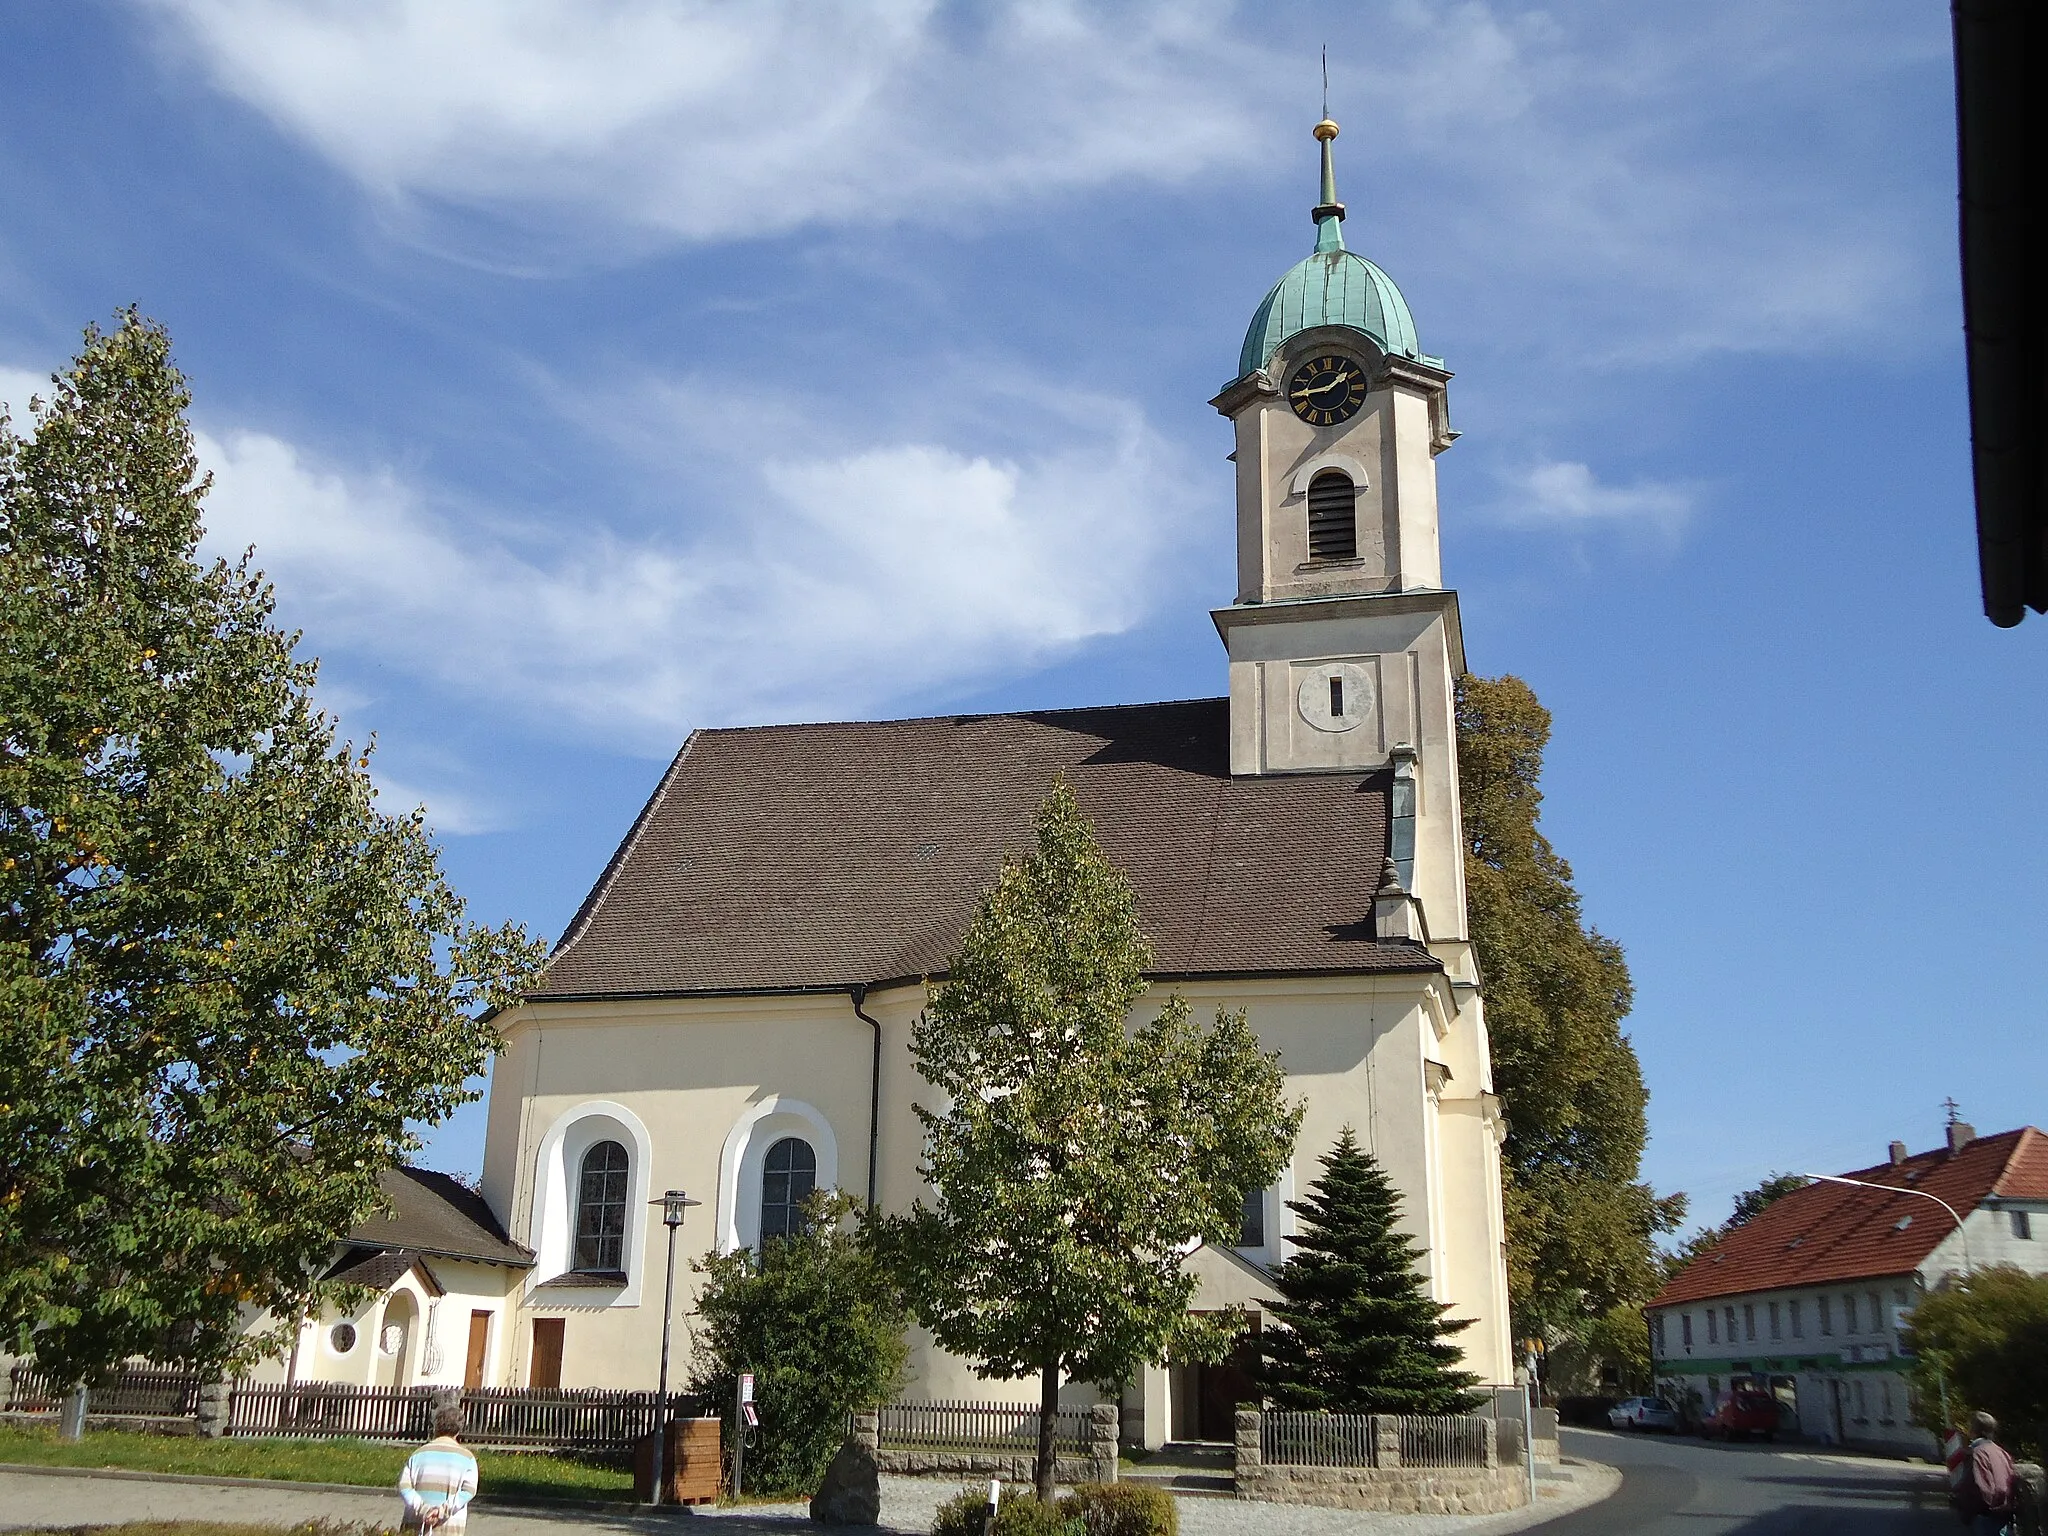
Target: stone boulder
(851,1491)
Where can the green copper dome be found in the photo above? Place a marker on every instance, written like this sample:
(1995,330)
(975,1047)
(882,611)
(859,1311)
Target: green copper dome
(1333,286)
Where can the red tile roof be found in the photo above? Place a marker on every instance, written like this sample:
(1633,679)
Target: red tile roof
(1829,1232)
(826,856)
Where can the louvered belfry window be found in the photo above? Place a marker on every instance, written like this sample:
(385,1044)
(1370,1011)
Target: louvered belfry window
(1332,517)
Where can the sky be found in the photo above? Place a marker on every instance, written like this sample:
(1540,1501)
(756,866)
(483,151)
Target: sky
(587,371)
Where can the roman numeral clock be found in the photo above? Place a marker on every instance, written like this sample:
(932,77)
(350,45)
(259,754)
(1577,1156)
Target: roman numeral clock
(1327,389)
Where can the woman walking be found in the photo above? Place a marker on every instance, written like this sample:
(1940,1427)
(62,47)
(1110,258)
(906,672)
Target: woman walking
(439,1478)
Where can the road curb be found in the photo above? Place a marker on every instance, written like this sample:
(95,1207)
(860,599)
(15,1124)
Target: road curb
(617,1507)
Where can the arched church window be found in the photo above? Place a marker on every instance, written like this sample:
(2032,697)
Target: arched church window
(788,1175)
(601,1197)
(1332,517)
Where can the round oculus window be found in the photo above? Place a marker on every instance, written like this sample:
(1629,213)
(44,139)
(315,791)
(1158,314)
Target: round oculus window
(1336,696)
(341,1338)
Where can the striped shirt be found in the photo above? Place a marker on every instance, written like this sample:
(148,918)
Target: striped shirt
(439,1475)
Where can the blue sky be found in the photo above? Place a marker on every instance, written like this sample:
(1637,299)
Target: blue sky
(589,370)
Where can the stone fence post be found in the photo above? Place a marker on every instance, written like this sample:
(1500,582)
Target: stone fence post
(212,1415)
(2030,1498)
(1248,1456)
(1386,1440)
(1102,1441)
(1489,1433)
(867,1428)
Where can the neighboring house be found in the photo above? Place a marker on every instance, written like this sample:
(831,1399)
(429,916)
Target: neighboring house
(1809,1298)
(439,1269)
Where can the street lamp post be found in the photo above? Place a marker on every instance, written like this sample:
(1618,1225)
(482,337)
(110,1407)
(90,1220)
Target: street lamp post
(673,1204)
(1895,1189)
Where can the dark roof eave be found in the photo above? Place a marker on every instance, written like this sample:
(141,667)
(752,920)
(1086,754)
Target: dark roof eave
(1425,964)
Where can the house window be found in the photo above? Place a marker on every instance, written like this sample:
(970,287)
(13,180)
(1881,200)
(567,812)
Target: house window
(1774,1322)
(2022,1225)
(1713,1327)
(1251,1221)
(1876,1313)
(1332,517)
(787,1179)
(1884,1388)
(1795,1307)
(1657,1333)
(1825,1305)
(601,1209)
(1685,1330)
(342,1338)
(1849,1314)
(1862,1400)
(1748,1321)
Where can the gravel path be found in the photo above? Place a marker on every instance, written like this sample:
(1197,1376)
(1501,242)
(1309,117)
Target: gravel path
(70,1498)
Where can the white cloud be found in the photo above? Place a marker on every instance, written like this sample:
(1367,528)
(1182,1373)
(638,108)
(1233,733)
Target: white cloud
(710,121)
(1567,494)
(1632,184)
(858,580)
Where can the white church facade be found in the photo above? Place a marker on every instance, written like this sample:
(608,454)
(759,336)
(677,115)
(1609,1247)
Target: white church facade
(729,1013)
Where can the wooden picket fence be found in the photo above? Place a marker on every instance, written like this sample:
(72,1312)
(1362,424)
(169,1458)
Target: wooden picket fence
(980,1427)
(591,1420)
(143,1391)
(583,1420)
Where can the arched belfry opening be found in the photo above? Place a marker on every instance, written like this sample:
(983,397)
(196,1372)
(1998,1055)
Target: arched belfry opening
(1332,516)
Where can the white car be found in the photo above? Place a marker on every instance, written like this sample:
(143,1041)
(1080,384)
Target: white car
(1644,1413)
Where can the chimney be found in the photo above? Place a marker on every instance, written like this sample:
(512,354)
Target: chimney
(1960,1134)
(1898,1150)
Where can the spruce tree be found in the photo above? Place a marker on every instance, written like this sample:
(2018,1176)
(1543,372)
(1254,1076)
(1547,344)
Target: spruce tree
(1359,1332)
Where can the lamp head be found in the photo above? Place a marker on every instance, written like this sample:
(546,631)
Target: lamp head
(673,1203)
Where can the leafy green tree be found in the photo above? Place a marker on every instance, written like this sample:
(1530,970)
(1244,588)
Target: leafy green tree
(1359,1332)
(1751,1202)
(1981,1343)
(821,1325)
(227,981)
(1581,1223)
(1076,1157)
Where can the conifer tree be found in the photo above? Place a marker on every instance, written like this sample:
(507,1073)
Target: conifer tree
(1359,1332)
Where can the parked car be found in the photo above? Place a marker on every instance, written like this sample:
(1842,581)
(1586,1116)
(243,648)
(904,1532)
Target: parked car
(1743,1415)
(1643,1413)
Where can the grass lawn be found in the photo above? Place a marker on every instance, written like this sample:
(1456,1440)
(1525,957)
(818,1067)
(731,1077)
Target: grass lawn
(502,1475)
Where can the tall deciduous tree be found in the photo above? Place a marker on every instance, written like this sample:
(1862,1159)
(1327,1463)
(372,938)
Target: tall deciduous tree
(1359,1332)
(1076,1158)
(1581,1223)
(227,981)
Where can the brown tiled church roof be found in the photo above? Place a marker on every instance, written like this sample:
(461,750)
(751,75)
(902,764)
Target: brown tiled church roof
(1829,1232)
(826,857)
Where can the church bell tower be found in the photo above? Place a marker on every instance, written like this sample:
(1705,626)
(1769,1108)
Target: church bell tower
(1344,643)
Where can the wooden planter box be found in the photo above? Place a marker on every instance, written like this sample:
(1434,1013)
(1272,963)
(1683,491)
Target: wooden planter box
(692,1464)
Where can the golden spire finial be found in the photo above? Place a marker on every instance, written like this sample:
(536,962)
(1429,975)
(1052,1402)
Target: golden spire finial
(1326,130)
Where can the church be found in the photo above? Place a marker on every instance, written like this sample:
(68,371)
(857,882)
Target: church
(729,1012)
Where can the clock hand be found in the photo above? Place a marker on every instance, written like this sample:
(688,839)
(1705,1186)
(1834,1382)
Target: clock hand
(1322,389)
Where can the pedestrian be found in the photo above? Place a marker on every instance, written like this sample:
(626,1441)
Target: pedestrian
(439,1478)
(1983,1494)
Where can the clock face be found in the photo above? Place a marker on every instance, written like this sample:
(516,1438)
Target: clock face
(1326,390)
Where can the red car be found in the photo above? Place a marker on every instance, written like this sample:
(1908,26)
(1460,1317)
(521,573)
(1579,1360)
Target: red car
(1744,1414)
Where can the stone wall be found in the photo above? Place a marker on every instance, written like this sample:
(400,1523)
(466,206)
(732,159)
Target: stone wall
(1389,1488)
(1099,1466)
(2030,1496)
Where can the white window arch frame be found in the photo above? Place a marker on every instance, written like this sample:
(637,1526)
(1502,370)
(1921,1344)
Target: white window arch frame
(764,1123)
(551,1231)
(1344,462)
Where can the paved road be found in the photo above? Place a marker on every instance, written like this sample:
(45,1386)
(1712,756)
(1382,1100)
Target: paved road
(1674,1485)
